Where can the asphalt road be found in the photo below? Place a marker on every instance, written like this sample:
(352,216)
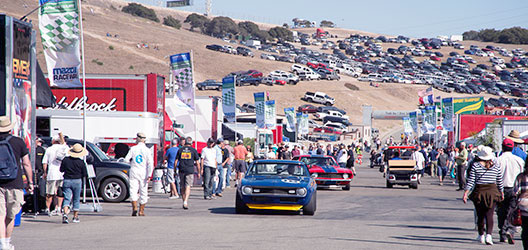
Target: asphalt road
(369,216)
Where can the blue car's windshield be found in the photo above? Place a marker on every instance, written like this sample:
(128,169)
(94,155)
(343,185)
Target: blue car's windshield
(278,169)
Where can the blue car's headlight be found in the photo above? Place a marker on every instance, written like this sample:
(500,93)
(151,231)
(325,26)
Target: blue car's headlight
(247,190)
(301,191)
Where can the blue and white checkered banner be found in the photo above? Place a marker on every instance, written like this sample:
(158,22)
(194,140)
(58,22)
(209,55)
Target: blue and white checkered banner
(229,98)
(270,114)
(181,67)
(290,118)
(259,109)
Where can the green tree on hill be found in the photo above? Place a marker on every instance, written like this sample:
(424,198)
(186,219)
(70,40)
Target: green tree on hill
(221,26)
(140,11)
(248,27)
(171,21)
(281,33)
(514,35)
(197,21)
(326,23)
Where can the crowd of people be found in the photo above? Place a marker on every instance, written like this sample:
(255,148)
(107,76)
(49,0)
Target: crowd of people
(492,180)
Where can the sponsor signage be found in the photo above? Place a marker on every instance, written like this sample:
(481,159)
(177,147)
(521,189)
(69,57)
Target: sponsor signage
(470,105)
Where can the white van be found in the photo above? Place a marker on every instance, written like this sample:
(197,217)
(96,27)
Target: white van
(297,68)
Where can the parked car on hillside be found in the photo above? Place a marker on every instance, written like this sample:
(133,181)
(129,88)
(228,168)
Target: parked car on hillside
(318,97)
(216,47)
(244,51)
(209,84)
(307,108)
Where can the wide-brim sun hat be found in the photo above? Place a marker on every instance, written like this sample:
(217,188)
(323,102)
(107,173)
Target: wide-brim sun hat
(5,124)
(77,150)
(515,136)
(485,154)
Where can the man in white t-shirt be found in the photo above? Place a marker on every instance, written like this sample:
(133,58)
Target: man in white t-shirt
(51,162)
(270,154)
(208,168)
(342,156)
(420,162)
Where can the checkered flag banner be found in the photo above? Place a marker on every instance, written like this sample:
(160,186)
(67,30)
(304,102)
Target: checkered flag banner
(270,114)
(259,109)
(59,30)
(181,66)
(229,98)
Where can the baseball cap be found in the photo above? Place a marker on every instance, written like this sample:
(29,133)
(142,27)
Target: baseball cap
(141,135)
(219,140)
(508,143)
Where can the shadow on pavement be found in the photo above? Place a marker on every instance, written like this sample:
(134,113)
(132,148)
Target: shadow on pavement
(425,227)
(384,242)
(436,239)
(450,208)
(231,210)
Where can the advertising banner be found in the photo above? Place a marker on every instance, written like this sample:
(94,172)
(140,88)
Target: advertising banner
(447,107)
(229,98)
(414,122)
(270,114)
(304,124)
(407,129)
(59,30)
(470,105)
(429,122)
(290,118)
(181,67)
(299,118)
(259,109)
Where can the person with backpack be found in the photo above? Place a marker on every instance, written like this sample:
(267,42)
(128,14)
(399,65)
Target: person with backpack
(14,156)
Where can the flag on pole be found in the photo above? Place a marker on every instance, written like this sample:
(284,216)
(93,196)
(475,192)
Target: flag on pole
(299,118)
(290,118)
(304,124)
(181,66)
(407,128)
(448,121)
(60,34)
(425,92)
(259,109)
(228,98)
(426,100)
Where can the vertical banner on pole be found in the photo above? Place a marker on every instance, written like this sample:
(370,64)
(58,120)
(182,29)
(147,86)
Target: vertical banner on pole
(229,98)
(59,31)
(304,124)
(407,129)
(290,118)
(181,67)
(447,104)
(299,118)
(414,121)
(270,114)
(259,109)
(429,119)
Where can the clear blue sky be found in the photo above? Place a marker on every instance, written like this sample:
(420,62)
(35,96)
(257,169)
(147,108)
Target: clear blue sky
(415,18)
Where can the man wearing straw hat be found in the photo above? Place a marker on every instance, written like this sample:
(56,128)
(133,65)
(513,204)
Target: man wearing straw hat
(11,191)
(515,136)
(141,167)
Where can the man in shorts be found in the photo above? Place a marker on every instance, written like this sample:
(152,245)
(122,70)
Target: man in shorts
(11,191)
(170,157)
(186,158)
(443,163)
(51,165)
(239,164)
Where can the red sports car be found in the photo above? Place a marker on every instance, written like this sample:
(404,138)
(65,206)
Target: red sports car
(308,108)
(329,130)
(326,172)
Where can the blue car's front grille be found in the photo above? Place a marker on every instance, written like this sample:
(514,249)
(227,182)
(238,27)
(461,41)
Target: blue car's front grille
(273,191)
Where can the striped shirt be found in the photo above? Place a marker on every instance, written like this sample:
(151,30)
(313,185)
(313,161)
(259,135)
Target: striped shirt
(481,175)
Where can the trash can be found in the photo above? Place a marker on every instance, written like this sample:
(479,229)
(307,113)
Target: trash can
(157,186)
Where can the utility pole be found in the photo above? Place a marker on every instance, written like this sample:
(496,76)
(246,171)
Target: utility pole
(208,4)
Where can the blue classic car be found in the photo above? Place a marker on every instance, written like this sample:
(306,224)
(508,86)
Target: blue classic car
(277,185)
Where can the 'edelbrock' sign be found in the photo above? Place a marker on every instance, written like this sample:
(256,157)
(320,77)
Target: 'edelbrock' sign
(77,104)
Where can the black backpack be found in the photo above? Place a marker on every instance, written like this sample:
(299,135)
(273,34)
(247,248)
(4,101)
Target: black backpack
(8,162)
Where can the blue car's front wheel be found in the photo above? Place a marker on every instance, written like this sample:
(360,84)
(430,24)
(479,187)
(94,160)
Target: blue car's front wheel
(240,206)
(310,208)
